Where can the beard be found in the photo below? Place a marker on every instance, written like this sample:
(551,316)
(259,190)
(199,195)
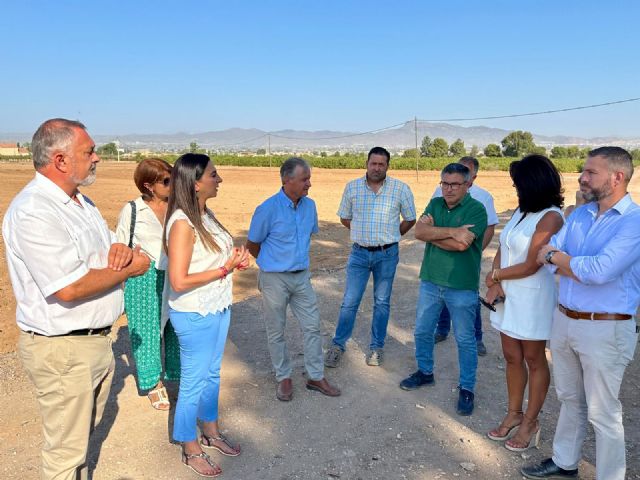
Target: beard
(89,179)
(597,194)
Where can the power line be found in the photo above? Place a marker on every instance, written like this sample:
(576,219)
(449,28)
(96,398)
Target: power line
(378,130)
(339,136)
(243,142)
(530,114)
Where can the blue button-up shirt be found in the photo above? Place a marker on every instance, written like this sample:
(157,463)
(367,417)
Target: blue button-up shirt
(283,231)
(606,254)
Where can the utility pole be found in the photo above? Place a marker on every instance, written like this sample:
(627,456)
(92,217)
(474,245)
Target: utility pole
(415,128)
(269,148)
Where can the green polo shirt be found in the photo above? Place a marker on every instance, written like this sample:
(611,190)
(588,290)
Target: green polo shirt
(459,270)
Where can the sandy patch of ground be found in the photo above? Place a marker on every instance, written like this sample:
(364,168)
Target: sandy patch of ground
(374,431)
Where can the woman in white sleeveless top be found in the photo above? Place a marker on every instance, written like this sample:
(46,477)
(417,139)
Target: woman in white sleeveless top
(201,258)
(524,318)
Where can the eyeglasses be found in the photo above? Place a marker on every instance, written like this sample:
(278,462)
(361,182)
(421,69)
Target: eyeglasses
(452,186)
(165,181)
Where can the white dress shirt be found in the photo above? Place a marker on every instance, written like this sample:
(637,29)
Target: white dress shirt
(484,197)
(147,232)
(51,241)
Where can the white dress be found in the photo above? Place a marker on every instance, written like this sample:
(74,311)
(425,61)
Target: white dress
(527,311)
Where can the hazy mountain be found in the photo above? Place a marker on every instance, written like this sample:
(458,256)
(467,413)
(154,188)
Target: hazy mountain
(403,137)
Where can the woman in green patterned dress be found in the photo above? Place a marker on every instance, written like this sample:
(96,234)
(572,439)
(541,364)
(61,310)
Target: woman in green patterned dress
(140,224)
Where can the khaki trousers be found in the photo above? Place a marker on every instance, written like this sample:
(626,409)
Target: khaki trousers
(589,360)
(280,289)
(72,376)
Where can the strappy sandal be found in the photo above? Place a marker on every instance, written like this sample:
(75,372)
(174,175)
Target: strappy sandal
(534,439)
(159,398)
(207,442)
(510,430)
(189,456)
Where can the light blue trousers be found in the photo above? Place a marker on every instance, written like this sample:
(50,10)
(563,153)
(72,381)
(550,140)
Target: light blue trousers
(202,342)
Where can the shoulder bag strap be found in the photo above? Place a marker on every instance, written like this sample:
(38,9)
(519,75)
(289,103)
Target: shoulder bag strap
(133,222)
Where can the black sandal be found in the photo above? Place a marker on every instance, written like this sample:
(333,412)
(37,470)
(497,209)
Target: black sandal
(207,442)
(188,456)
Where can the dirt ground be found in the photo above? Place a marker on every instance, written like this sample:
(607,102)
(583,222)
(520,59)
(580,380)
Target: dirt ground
(373,431)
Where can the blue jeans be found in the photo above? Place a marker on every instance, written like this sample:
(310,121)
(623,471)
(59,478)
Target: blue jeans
(462,304)
(361,263)
(202,342)
(444,324)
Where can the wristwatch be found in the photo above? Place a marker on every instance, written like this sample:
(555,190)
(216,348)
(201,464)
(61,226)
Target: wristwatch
(549,256)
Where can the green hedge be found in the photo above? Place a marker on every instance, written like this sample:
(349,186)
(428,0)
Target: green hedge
(354,161)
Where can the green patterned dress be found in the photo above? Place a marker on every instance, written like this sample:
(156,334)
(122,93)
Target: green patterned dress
(143,305)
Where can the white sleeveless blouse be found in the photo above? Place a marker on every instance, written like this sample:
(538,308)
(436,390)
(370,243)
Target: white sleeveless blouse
(527,311)
(215,296)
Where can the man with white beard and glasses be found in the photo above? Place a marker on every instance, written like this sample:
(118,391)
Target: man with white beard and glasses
(67,273)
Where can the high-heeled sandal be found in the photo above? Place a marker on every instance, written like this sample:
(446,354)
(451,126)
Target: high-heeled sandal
(534,440)
(189,456)
(207,442)
(511,429)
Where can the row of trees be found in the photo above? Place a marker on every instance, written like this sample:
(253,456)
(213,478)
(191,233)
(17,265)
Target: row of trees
(516,144)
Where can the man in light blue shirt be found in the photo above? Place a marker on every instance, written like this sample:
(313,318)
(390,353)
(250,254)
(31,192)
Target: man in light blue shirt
(594,333)
(279,238)
(371,208)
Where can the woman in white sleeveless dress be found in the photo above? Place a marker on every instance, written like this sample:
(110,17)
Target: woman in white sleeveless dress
(524,318)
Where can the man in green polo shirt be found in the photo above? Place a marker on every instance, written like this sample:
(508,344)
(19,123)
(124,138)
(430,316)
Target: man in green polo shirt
(452,227)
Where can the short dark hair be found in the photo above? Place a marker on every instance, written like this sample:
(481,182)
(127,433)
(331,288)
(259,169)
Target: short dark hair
(379,151)
(617,157)
(470,160)
(458,168)
(538,183)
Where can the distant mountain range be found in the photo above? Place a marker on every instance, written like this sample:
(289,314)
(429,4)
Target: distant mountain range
(395,139)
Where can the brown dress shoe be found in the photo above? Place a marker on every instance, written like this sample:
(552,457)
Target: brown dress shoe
(323,387)
(284,390)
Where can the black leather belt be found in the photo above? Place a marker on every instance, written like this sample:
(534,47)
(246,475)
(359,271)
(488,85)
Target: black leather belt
(85,332)
(377,248)
(297,271)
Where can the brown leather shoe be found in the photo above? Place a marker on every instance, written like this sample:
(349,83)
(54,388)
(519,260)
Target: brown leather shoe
(284,390)
(323,387)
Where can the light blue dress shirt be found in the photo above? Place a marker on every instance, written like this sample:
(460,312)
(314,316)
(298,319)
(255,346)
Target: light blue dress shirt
(283,231)
(606,258)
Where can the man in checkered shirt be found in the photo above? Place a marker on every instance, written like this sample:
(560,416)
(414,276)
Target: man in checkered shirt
(371,208)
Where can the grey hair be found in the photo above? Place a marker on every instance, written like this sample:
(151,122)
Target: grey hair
(458,168)
(54,134)
(470,160)
(289,166)
(617,158)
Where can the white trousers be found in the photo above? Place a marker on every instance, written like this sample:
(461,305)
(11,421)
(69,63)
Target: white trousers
(589,359)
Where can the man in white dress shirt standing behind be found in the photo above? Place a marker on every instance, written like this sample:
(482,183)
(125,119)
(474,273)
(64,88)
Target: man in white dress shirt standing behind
(67,276)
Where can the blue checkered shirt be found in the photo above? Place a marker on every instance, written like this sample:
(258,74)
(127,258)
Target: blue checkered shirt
(375,217)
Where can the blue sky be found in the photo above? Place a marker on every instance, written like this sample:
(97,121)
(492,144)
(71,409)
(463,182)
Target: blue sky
(166,66)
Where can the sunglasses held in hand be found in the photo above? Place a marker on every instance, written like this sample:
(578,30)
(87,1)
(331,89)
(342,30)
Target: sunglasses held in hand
(491,306)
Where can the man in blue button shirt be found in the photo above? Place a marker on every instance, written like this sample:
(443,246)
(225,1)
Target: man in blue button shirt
(594,333)
(279,238)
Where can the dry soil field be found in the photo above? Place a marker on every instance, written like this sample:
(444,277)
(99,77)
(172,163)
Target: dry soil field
(373,431)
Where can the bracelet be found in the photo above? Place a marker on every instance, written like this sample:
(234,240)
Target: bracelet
(494,275)
(225,272)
